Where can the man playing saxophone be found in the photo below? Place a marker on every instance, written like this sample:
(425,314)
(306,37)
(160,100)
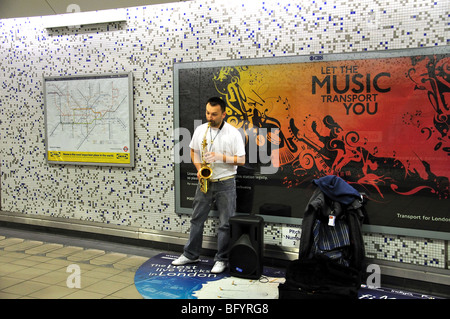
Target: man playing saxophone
(219,146)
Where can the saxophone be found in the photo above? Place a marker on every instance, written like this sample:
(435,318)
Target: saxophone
(205,170)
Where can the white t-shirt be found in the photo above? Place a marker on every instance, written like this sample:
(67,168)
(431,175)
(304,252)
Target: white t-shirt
(227,140)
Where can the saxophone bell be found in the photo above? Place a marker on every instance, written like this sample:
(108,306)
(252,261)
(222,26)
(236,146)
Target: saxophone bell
(205,173)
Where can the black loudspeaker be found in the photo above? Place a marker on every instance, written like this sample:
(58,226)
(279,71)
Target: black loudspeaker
(246,246)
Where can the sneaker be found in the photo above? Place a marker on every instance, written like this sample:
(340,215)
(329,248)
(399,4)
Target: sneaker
(219,267)
(183,260)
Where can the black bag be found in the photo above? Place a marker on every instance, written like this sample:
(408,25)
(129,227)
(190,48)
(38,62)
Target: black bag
(319,278)
(331,255)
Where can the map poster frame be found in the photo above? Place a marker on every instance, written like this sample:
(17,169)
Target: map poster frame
(379,120)
(89,120)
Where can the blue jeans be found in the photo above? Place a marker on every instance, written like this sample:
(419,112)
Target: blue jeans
(224,195)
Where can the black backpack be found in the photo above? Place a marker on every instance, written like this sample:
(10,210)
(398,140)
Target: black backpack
(319,278)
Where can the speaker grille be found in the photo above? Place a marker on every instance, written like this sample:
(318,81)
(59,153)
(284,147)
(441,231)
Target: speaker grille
(243,257)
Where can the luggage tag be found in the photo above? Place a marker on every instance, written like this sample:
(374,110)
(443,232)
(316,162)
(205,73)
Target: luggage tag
(331,219)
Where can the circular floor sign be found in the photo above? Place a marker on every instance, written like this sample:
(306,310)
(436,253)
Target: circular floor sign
(157,278)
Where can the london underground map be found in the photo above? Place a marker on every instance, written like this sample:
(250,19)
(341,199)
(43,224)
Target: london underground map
(88,119)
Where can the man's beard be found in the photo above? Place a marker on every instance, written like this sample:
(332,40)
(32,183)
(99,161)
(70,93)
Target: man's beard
(215,124)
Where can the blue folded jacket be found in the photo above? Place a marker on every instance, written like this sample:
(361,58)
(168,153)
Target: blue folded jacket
(337,189)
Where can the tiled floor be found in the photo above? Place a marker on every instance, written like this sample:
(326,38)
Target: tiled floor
(39,265)
(40,269)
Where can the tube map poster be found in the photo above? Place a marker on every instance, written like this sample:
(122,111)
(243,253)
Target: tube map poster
(89,120)
(380,122)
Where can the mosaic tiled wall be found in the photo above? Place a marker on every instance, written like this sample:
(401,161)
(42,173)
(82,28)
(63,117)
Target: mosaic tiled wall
(148,44)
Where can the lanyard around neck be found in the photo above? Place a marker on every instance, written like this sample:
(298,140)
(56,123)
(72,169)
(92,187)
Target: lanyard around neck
(213,139)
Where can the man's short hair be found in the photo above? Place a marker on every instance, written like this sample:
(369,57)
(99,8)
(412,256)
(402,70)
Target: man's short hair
(213,101)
